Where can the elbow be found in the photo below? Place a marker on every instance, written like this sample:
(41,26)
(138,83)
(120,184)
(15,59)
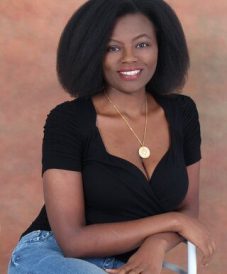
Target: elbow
(72,246)
(72,251)
(69,252)
(78,246)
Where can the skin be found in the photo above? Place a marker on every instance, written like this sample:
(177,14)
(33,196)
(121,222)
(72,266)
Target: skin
(153,235)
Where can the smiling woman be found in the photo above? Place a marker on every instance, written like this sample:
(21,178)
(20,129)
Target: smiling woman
(121,161)
(132,53)
(87,79)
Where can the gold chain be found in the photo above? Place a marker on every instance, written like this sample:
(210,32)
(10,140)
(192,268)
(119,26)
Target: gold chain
(126,121)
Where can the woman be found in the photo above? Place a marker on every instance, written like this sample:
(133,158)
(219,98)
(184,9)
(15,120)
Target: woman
(120,162)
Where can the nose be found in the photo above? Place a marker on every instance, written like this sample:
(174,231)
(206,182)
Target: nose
(128,56)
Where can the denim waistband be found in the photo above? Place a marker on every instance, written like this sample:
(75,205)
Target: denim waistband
(36,235)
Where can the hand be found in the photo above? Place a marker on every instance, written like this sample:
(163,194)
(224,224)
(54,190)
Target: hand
(146,260)
(193,230)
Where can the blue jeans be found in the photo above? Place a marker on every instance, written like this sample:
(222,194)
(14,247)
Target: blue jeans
(39,253)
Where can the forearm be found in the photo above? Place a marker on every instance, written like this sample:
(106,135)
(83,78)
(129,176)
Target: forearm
(116,238)
(171,239)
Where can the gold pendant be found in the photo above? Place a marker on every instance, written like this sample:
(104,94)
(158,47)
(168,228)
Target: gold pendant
(144,152)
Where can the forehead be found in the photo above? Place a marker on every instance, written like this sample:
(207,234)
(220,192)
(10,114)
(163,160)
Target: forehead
(131,25)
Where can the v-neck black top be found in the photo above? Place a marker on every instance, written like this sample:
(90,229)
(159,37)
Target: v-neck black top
(115,189)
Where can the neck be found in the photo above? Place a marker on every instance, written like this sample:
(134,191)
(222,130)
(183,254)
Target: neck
(130,104)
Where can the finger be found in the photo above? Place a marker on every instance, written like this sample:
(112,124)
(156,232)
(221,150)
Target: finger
(214,246)
(126,268)
(137,270)
(133,272)
(205,261)
(211,250)
(205,265)
(205,255)
(152,269)
(111,270)
(207,258)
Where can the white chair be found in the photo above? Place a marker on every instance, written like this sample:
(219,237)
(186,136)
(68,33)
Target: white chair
(192,262)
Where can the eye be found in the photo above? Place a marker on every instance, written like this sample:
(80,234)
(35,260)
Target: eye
(112,49)
(143,45)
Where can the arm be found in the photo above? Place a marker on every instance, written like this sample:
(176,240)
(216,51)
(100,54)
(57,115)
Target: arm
(151,254)
(190,207)
(64,199)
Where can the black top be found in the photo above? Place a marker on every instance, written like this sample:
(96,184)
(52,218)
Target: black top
(116,190)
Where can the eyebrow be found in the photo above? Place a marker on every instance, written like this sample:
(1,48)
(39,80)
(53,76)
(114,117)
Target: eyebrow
(135,38)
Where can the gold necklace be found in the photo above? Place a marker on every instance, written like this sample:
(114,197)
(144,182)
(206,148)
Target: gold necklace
(144,151)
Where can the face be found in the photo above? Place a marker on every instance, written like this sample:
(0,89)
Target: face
(131,55)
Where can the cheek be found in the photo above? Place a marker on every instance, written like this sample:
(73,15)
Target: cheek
(108,63)
(152,60)
(110,67)
(152,57)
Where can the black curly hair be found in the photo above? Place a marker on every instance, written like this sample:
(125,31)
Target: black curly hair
(83,43)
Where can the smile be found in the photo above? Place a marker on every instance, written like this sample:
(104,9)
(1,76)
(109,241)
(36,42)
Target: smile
(131,74)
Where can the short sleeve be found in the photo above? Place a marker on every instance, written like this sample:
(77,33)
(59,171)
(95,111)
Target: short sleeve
(191,131)
(62,142)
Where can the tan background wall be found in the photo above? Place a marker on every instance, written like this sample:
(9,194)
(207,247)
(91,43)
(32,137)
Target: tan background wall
(29,32)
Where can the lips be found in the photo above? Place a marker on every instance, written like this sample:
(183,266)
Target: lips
(130,74)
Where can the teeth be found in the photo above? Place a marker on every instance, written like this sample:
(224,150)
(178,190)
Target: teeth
(130,73)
